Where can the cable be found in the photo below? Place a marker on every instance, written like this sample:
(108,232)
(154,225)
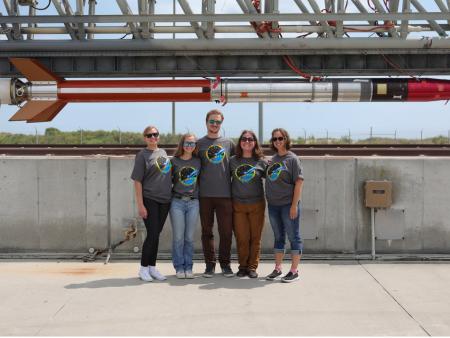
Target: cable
(288,60)
(43,8)
(396,66)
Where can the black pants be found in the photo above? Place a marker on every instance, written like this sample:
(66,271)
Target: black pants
(157,214)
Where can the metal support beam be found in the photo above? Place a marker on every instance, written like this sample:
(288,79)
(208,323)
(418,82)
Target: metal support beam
(340,23)
(380,8)
(187,9)
(80,11)
(432,23)
(92,4)
(13,11)
(271,6)
(151,11)
(208,7)
(126,10)
(144,25)
(252,10)
(363,9)
(404,25)
(316,9)
(305,9)
(7,30)
(442,7)
(31,12)
(68,25)
(261,122)
(229,17)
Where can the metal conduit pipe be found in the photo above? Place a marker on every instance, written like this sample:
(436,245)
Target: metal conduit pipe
(217,29)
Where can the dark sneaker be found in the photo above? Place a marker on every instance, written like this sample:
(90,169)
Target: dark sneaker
(252,274)
(241,273)
(290,277)
(210,269)
(227,272)
(273,275)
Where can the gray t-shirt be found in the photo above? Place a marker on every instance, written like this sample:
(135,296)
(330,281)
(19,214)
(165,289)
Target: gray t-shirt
(185,174)
(246,179)
(154,170)
(215,155)
(281,175)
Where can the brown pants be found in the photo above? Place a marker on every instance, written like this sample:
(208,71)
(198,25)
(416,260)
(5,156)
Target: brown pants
(224,212)
(248,225)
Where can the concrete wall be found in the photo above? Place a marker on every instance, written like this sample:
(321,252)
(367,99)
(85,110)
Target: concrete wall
(71,204)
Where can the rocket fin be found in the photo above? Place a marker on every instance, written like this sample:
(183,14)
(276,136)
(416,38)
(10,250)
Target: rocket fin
(33,70)
(40,110)
(48,114)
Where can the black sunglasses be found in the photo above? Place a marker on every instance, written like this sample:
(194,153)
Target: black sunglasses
(279,138)
(247,139)
(149,135)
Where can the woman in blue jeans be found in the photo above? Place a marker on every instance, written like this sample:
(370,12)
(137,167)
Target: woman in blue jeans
(284,180)
(184,209)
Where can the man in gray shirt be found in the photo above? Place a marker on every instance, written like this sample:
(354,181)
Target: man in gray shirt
(215,194)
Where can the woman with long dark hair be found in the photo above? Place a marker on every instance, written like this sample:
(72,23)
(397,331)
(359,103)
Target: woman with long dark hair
(247,170)
(284,181)
(184,209)
(152,175)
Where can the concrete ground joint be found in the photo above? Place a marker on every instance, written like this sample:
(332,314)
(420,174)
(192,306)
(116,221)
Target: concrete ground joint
(395,299)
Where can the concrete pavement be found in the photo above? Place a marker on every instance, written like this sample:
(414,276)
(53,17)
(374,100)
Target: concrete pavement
(332,298)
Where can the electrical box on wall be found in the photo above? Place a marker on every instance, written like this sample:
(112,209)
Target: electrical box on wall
(378,194)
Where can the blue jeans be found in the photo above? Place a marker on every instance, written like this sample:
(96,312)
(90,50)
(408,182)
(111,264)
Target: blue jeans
(282,224)
(184,219)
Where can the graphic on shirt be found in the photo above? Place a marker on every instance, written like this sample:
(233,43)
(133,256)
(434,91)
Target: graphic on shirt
(245,173)
(188,176)
(275,169)
(215,153)
(163,164)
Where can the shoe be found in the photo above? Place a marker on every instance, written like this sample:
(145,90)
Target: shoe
(210,269)
(189,274)
(252,274)
(241,273)
(227,272)
(156,274)
(273,275)
(181,275)
(144,274)
(290,277)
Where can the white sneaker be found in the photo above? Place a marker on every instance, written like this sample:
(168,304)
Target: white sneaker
(156,274)
(144,274)
(180,275)
(189,275)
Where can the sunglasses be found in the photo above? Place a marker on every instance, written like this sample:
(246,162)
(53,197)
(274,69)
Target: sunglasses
(279,138)
(150,135)
(189,144)
(217,122)
(247,139)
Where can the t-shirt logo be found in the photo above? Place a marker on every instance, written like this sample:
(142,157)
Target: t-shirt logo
(163,164)
(274,170)
(215,153)
(245,173)
(188,176)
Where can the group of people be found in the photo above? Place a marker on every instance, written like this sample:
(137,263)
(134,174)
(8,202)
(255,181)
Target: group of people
(213,176)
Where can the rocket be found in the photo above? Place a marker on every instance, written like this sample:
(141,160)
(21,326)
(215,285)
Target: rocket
(45,94)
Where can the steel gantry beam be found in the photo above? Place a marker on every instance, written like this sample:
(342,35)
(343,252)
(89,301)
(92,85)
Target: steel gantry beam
(337,37)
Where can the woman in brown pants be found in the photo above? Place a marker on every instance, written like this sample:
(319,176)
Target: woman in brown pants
(247,170)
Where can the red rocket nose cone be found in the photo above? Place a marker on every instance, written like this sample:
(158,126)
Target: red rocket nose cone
(428,90)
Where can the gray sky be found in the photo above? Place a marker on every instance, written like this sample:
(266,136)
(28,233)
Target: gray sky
(405,119)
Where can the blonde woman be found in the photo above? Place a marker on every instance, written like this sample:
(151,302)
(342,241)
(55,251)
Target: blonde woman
(184,209)
(153,187)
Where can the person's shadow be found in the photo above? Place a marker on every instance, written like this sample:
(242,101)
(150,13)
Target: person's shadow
(216,282)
